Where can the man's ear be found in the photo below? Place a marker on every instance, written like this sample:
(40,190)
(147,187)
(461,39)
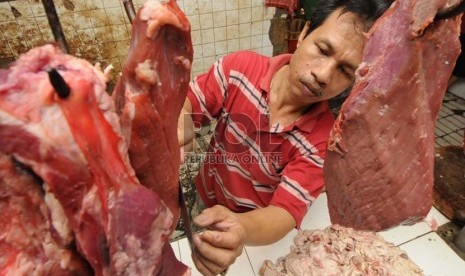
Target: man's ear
(303,33)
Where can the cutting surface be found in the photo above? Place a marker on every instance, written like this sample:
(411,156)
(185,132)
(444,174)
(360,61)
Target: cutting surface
(419,241)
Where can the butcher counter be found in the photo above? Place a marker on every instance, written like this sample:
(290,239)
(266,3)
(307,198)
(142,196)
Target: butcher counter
(422,244)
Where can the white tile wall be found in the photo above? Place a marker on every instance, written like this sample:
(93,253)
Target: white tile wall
(227,26)
(98,30)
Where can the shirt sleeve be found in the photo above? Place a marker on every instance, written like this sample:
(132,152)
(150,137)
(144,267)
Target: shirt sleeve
(207,93)
(301,182)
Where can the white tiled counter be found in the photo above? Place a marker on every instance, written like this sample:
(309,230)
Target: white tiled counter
(420,242)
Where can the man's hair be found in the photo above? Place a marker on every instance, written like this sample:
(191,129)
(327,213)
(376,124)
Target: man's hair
(367,10)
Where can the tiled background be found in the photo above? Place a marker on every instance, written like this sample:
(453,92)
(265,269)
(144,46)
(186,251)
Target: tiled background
(450,126)
(99,31)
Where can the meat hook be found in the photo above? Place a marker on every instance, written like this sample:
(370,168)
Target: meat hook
(451,11)
(55,24)
(58,83)
(129,8)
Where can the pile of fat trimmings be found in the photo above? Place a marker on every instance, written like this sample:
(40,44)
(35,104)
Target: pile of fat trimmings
(341,251)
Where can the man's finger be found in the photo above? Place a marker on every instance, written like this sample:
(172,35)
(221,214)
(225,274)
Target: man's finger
(203,269)
(181,153)
(208,265)
(221,257)
(212,215)
(226,240)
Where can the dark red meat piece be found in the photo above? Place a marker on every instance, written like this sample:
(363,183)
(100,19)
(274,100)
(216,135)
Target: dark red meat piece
(150,94)
(379,165)
(74,144)
(30,242)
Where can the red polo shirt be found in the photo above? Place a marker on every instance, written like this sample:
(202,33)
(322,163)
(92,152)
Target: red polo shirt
(250,163)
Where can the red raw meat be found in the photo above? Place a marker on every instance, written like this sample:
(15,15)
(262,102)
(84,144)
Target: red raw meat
(30,244)
(379,165)
(73,142)
(150,94)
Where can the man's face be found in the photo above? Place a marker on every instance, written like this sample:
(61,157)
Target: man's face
(324,64)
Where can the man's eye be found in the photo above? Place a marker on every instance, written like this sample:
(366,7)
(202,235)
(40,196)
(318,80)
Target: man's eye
(322,51)
(345,72)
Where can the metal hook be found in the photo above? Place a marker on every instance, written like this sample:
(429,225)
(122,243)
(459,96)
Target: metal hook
(129,8)
(55,24)
(451,12)
(58,83)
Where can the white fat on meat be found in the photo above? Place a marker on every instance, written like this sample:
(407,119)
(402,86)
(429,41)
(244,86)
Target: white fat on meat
(55,253)
(51,130)
(383,109)
(146,72)
(106,71)
(91,203)
(184,61)
(59,220)
(130,110)
(156,14)
(135,256)
(338,250)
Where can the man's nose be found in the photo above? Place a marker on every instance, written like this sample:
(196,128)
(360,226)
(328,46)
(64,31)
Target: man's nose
(324,72)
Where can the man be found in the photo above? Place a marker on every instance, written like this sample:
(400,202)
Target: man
(264,167)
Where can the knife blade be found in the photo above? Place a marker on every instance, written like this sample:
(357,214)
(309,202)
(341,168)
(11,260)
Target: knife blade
(186,218)
(188,227)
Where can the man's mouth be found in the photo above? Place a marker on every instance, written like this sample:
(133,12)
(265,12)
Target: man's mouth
(310,89)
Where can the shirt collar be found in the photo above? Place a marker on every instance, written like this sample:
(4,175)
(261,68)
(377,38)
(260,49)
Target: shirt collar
(275,64)
(305,123)
(309,119)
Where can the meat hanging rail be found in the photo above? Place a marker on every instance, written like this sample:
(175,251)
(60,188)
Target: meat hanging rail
(129,8)
(55,24)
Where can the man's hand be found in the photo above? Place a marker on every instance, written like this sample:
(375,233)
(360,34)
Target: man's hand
(217,248)
(227,232)
(185,129)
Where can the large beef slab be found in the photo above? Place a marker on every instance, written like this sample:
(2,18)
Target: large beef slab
(57,119)
(65,168)
(379,165)
(150,94)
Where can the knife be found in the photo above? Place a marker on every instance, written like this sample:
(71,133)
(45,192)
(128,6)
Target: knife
(186,218)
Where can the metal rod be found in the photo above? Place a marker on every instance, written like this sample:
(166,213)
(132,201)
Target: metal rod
(55,25)
(129,8)
(452,11)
